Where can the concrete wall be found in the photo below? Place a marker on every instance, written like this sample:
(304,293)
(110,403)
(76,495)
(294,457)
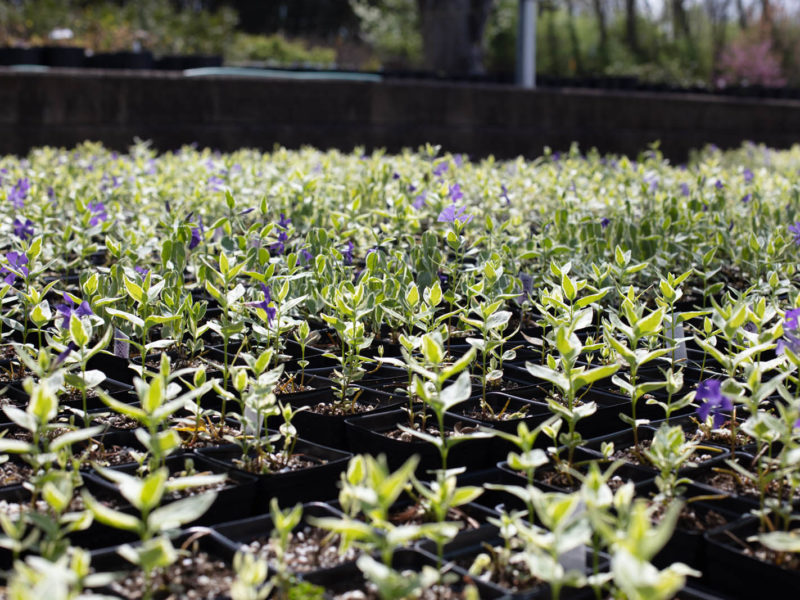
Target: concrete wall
(66,107)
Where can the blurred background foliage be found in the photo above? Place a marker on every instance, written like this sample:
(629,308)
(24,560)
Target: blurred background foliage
(679,42)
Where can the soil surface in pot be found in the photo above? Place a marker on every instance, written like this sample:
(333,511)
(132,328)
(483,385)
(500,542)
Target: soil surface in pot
(720,436)
(734,484)
(275,462)
(514,578)
(370,592)
(115,421)
(414,514)
(431,429)
(109,456)
(572,484)
(690,519)
(199,576)
(498,416)
(634,457)
(336,409)
(205,434)
(310,548)
(785,560)
(11,473)
(293,385)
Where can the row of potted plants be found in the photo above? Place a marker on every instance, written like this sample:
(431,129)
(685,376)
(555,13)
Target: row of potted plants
(591,394)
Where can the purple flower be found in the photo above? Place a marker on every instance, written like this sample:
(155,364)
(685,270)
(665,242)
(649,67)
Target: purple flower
(790,319)
(715,403)
(198,233)
(795,230)
(411,188)
(51,194)
(143,271)
(99,214)
(279,247)
(419,201)
(527,286)
(23,229)
(652,183)
(748,175)
(306,256)
(347,255)
(284,222)
(246,211)
(395,175)
(68,309)
(452,213)
(17,262)
(719,185)
(215,184)
(265,304)
(685,189)
(71,347)
(504,195)
(790,338)
(19,192)
(605,222)
(440,169)
(459,160)
(746,198)
(796,424)
(455,193)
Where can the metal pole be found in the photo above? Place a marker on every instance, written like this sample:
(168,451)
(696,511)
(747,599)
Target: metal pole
(526,44)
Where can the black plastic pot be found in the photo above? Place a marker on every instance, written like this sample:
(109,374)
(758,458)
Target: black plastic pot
(688,545)
(730,570)
(64,56)
(624,439)
(96,536)
(193,540)
(534,414)
(243,532)
(464,552)
(366,435)
(289,487)
(236,499)
(20,56)
(330,430)
(181,62)
(121,60)
(347,578)
(116,389)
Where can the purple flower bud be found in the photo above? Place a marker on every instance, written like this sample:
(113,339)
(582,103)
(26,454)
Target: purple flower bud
(605,222)
(265,304)
(420,200)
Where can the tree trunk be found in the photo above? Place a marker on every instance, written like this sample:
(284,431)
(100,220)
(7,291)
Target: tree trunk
(631,28)
(452,34)
(742,11)
(600,15)
(680,21)
(573,37)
